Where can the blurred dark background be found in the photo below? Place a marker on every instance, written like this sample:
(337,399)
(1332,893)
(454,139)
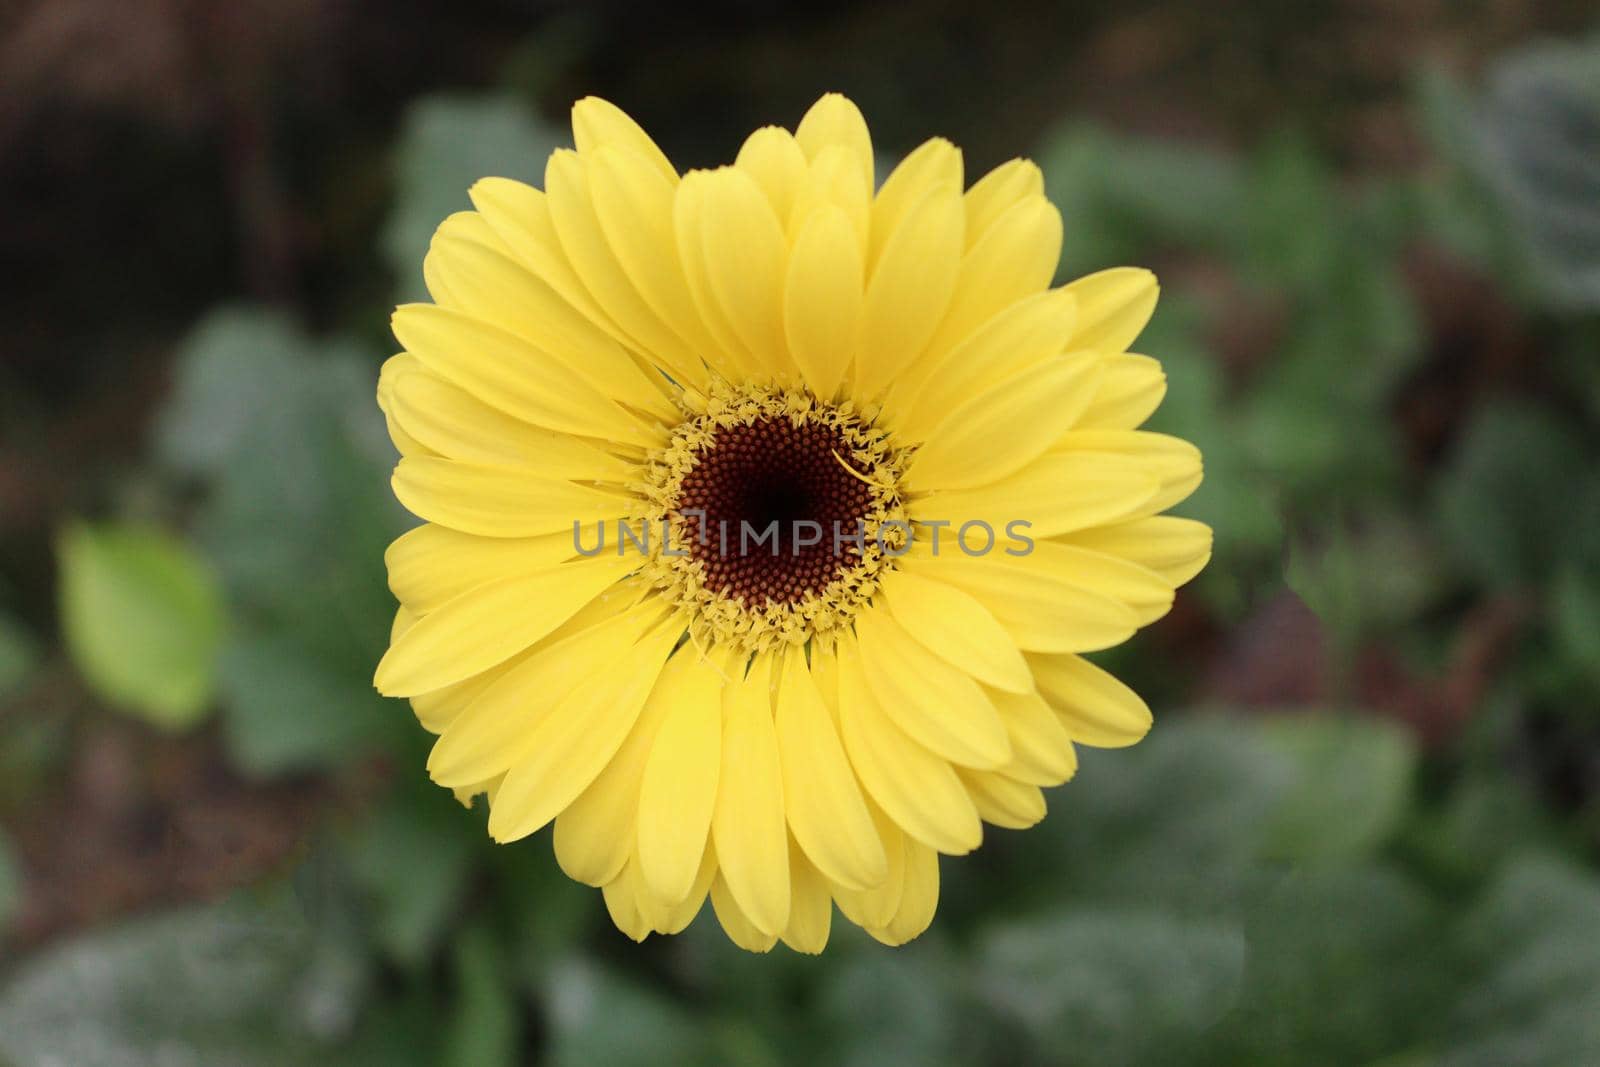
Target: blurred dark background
(1365,827)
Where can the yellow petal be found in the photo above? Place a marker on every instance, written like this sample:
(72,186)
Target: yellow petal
(1172,461)
(634,205)
(436,710)
(822,299)
(510,373)
(690,208)
(1038,610)
(934,164)
(740,930)
(1004,801)
(392,370)
(674,918)
(934,702)
(909,290)
(467,794)
(432,564)
(1041,749)
(1174,548)
(1057,493)
(746,258)
(453,423)
(460,227)
(484,737)
(597,123)
(597,834)
(489,624)
(1122,580)
(404,443)
(591,838)
(572,213)
(997,192)
(774,160)
(1131,389)
(1095,707)
(1005,427)
(1016,258)
(1113,306)
(748,826)
(485,282)
(502,501)
(834,121)
(876,906)
(404,619)
(1027,334)
(811,910)
(953,625)
(919,897)
(832,180)
(519,215)
(822,798)
(568,747)
(622,903)
(678,791)
(915,788)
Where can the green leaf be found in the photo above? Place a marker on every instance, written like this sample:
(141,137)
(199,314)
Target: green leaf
(549,913)
(307,454)
(236,367)
(1124,194)
(399,1031)
(1346,964)
(1575,617)
(597,1017)
(446,144)
(1536,999)
(287,710)
(1454,206)
(1115,833)
(1537,131)
(1352,786)
(1352,339)
(19,655)
(900,1009)
(1234,500)
(1327,577)
(1111,986)
(1250,794)
(1290,229)
(234,984)
(420,832)
(1362,575)
(483,1030)
(143,620)
(1504,508)
(10,885)
(1484,821)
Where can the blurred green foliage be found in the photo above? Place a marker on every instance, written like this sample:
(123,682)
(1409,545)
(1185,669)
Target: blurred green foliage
(1276,922)
(143,619)
(10,884)
(280,436)
(1537,136)
(19,654)
(446,144)
(1303,888)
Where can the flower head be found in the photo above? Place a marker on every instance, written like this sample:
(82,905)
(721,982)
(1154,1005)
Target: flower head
(767,516)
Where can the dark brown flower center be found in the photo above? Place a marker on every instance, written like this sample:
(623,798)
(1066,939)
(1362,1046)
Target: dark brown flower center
(781,511)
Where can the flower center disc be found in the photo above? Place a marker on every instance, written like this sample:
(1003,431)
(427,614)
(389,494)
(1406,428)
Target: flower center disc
(781,509)
(781,512)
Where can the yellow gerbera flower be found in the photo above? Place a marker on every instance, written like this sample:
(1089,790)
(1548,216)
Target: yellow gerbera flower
(767,516)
